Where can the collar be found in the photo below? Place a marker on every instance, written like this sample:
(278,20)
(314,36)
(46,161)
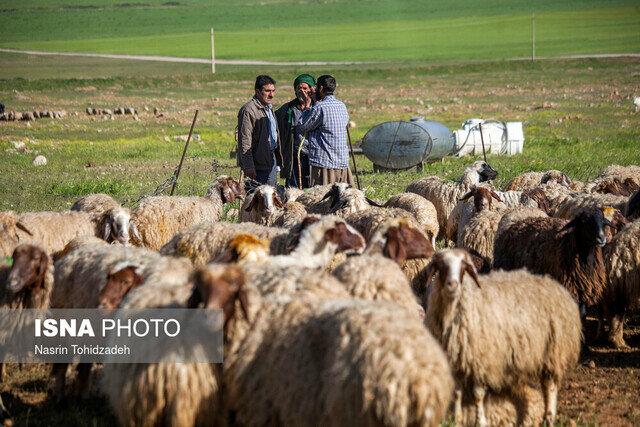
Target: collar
(258,103)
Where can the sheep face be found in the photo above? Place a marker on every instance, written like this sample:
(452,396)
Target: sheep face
(404,242)
(589,230)
(118,227)
(481,198)
(265,201)
(485,172)
(450,267)
(536,198)
(334,194)
(633,206)
(618,221)
(28,271)
(229,188)
(219,287)
(120,281)
(557,177)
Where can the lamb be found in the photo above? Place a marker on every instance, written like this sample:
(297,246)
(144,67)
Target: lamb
(569,251)
(423,210)
(159,218)
(445,195)
(480,326)
(113,222)
(529,180)
(385,368)
(51,230)
(176,394)
(622,257)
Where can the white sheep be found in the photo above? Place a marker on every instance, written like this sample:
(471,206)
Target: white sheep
(445,195)
(113,221)
(159,218)
(529,180)
(261,206)
(480,325)
(384,366)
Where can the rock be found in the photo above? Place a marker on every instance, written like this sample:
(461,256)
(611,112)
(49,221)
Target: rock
(136,118)
(130,110)
(352,124)
(89,111)
(232,213)
(28,116)
(107,111)
(18,116)
(145,108)
(118,111)
(40,160)
(156,111)
(167,139)
(591,364)
(28,124)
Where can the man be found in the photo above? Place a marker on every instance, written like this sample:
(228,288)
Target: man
(258,138)
(295,161)
(325,125)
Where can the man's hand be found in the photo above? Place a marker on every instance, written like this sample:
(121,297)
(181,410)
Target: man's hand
(251,174)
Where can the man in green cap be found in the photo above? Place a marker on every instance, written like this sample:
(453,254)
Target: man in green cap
(295,161)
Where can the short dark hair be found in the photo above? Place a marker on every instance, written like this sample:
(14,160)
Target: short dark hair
(328,83)
(263,80)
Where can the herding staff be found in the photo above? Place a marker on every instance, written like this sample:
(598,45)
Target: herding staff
(484,153)
(353,157)
(184,152)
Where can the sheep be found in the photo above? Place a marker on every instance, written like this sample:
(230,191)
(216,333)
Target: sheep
(385,368)
(423,210)
(444,195)
(264,206)
(569,251)
(615,179)
(529,180)
(367,221)
(316,199)
(95,276)
(570,207)
(26,284)
(51,230)
(483,198)
(159,218)
(622,257)
(112,220)
(176,394)
(480,325)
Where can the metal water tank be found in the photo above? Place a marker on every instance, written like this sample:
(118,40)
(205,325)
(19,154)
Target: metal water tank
(401,145)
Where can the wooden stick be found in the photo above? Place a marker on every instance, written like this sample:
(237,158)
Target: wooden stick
(184,152)
(484,153)
(353,157)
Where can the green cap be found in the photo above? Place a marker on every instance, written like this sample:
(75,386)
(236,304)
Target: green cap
(304,78)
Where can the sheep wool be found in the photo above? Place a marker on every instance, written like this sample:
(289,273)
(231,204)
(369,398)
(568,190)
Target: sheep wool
(423,210)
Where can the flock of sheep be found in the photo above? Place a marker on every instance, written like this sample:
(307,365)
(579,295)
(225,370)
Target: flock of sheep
(339,310)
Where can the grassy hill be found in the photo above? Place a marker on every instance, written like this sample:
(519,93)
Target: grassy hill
(335,30)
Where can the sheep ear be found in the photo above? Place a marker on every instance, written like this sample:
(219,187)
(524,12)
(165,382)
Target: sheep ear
(22,227)
(244,302)
(277,201)
(466,196)
(228,192)
(569,226)
(495,196)
(134,231)
(470,268)
(345,238)
(118,285)
(429,273)
(43,264)
(394,247)
(252,203)
(196,298)
(333,192)
(417,244)
(106,229)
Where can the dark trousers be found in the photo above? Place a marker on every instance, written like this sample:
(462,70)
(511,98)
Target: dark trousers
(263,176)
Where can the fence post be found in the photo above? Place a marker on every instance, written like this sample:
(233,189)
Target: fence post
(533,36)
(213,55)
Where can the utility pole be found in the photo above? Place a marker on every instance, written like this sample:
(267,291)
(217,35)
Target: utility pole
(533,36)
(213,55)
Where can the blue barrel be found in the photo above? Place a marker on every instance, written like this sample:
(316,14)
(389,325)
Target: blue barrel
(401,145)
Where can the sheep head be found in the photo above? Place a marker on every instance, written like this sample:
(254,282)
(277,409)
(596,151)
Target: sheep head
(401,241)
(121,279)
(220,287)
(229,189)
(482,197)
(588,228)
(345,237)
(296,231)
(245,247)
(557,177)
(28,272)
(117,226)
(479,171)
(265,200)
(335,196)
(450,267)
(537,196)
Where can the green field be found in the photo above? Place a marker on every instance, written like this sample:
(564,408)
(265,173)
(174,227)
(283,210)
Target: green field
(339,30)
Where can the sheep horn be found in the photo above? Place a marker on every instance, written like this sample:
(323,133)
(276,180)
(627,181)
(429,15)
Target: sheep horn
(373,203)
(471,269)
(22,227)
